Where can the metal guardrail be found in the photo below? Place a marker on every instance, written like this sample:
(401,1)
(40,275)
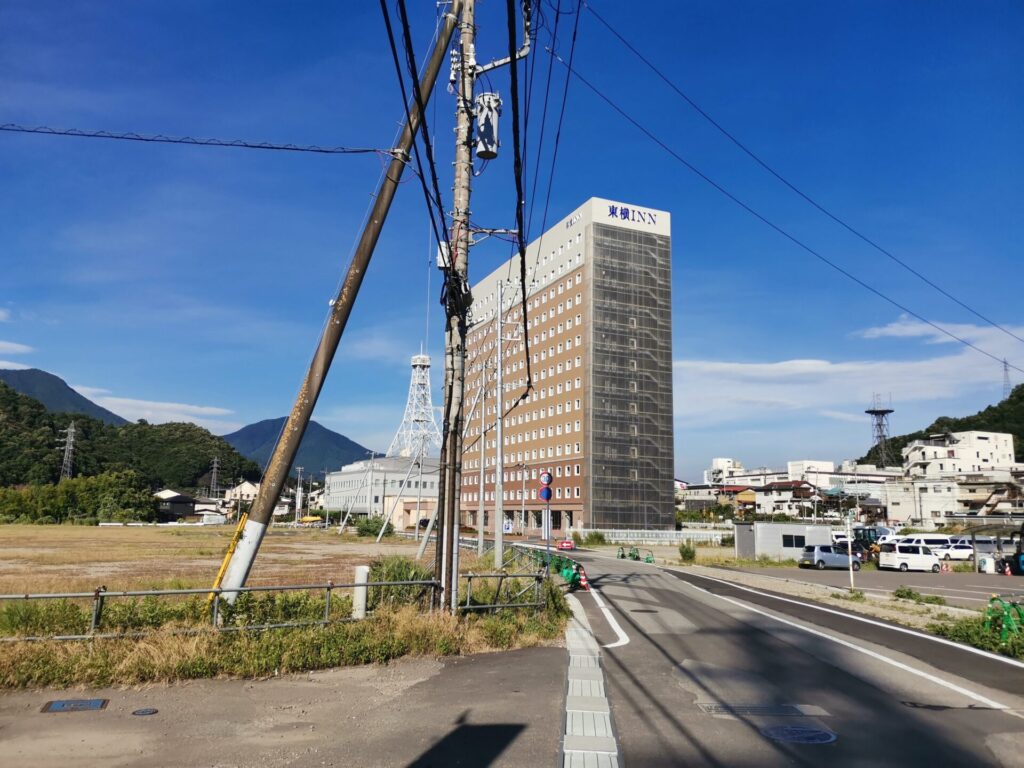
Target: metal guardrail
(100,595)
(630,536)
(536,579)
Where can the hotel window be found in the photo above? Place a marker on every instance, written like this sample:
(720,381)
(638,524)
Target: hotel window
(579,318)
(577,491)
(577,469)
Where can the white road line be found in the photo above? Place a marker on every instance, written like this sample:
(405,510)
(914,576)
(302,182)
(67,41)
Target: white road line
(623,638)
(894,628)
(867,652)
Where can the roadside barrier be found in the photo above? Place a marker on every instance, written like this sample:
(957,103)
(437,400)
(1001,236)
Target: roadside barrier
(1004,616)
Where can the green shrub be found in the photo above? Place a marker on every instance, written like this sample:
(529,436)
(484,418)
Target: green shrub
(577,538)
(398,568)
(370,526)
(687,552)
(594,538)
(728,541)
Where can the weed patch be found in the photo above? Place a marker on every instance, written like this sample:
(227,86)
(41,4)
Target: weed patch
(906,593)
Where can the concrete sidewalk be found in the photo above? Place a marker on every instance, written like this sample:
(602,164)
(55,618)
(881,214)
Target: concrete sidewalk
(503,709)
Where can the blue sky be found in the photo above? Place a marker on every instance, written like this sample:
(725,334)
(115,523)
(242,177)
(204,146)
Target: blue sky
(172,282)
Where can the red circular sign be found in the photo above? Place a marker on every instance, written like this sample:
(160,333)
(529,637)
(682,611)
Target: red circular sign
(545,478)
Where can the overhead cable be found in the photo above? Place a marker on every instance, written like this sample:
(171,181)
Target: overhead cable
(763,219)
(161,139)
(757,159)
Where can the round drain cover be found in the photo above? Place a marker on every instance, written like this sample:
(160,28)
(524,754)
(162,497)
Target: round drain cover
(798,734)
(146,711)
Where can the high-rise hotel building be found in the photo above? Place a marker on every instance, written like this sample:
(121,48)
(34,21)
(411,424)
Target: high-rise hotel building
(599,418)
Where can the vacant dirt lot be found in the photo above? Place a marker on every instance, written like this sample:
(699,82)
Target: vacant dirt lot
(54,558)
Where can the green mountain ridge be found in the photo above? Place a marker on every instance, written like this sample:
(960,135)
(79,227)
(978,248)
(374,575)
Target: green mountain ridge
(320,449)
(176,455)
(55,394)
(1005,416)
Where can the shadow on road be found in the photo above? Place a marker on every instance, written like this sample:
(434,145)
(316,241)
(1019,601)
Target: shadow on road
(470,746)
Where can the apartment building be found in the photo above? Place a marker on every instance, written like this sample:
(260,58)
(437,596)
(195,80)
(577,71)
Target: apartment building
(599,339)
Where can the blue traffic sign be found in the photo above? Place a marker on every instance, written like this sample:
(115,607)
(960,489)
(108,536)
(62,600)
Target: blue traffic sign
(545,494)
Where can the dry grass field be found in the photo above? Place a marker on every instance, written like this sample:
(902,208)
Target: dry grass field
(61,558)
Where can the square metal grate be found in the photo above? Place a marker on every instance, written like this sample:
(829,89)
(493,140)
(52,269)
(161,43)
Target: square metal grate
(75,705)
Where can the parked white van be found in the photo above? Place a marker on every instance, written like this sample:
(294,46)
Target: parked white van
(907,557)
(931,540)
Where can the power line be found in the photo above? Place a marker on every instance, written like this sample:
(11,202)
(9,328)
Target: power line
(161,139)
(757,159)
(763,219)
(408,119)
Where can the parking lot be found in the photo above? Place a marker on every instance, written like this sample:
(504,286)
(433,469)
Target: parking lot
(967,590)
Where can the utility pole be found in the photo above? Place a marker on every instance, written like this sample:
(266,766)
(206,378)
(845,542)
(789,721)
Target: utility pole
(298,493)
(458,304)
(499,454)
(241,559)
(483,461)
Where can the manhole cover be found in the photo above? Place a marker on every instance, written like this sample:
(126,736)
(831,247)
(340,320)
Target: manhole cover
(798,734)
(752,710)
(145,711)
(74,705)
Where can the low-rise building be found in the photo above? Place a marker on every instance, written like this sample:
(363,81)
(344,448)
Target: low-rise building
(400,486)
(778,541)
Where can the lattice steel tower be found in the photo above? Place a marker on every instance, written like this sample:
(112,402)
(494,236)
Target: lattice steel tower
(419,433)
(68,465)
(880,429)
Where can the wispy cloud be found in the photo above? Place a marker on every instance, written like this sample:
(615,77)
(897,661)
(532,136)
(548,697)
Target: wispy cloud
(14,348)
(12,366)
(717,392)
(5,315)
(160,412)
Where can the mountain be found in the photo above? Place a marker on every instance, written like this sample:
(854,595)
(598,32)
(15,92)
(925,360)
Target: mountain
(1005,416)
(320,449)
(176,455)
(54,393)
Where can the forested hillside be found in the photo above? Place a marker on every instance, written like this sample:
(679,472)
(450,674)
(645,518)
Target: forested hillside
(161,455)
(1006,416)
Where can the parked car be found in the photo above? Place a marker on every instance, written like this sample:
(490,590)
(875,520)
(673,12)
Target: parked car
(908,557)
(957,552)
(822,556)
(566,544)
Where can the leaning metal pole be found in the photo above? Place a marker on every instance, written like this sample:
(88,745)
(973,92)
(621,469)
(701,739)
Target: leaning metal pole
(288,443)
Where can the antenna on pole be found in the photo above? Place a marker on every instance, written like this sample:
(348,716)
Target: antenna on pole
(68,465)
(418,433)
(1007,387)
(880,429)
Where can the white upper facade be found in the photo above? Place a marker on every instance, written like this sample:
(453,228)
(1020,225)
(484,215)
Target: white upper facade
(959,453)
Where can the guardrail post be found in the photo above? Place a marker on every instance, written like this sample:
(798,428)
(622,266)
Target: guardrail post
(359,593)
(97,608)
(215,614)
(327,602)
(469,588)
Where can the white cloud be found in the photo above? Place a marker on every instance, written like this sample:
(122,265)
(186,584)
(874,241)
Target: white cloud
(853,418)
(5,315)
(12,366)
(14,348)
(160,412)
(717,392)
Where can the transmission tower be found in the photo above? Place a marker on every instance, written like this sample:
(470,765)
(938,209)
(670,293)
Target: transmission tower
(1007,387)
(880,429)
(214,490)
(68,465)
(418,433)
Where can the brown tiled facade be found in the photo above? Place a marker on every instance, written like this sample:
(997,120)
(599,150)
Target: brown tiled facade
(558,426)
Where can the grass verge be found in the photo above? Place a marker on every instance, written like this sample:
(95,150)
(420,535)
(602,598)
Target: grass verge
(906,593)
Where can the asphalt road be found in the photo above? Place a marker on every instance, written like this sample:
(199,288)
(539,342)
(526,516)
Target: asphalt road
(967,590)
(703,676)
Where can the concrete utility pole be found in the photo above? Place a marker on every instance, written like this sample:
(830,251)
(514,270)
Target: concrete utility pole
(483,463)
(241,560)
(458,305)
(499,453)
